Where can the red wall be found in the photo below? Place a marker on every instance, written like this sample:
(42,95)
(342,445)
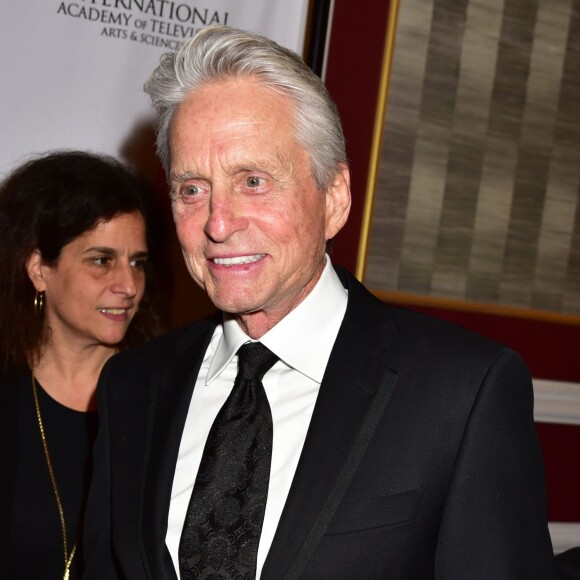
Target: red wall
(353,74)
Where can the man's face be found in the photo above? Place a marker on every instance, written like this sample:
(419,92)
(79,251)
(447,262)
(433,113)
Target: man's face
(251,222)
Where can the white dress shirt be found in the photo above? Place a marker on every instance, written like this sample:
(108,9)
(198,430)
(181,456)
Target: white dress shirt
(303,341)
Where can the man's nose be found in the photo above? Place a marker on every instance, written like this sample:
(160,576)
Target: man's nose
(226,215)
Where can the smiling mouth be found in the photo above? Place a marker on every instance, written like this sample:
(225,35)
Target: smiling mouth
(238,260)
(115,311)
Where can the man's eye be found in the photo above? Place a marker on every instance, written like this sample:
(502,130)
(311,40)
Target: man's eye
(190,190)
(254,181)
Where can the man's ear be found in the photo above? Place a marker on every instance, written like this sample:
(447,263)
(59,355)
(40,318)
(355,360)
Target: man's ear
(338,202)
(35,269)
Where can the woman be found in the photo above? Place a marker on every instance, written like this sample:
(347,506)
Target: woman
(74,229)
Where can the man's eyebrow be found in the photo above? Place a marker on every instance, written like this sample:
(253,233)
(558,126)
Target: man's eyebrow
(179,177)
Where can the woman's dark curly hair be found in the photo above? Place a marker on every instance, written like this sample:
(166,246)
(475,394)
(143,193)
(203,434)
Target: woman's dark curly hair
(45,204)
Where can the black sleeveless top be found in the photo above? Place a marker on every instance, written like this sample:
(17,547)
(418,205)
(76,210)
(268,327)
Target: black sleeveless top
(31,545)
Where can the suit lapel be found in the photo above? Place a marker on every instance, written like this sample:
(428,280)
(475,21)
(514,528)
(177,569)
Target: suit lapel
(171,390)
(352,398)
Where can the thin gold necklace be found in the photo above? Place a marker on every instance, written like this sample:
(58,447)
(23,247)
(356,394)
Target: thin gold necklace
(67,558)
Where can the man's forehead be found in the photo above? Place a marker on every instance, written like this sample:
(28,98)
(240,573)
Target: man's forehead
(234,101)
(208,128)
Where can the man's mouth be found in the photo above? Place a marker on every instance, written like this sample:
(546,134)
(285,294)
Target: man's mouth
(238,260)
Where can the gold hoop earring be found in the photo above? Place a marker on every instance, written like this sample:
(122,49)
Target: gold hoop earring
(38,303)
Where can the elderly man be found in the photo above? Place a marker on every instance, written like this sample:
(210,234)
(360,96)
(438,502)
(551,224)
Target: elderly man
(311,431)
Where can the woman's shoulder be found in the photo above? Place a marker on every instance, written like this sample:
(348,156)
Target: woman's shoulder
(13,377)
(13,395)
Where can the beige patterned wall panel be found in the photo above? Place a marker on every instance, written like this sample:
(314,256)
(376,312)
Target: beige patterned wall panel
(479,173)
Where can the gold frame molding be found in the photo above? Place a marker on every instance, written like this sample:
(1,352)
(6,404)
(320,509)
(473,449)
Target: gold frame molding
(377,140)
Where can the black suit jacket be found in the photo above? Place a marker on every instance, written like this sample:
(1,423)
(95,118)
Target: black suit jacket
(421,459)
(568,564)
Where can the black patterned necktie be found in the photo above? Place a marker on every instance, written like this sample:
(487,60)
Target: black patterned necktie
(224,518)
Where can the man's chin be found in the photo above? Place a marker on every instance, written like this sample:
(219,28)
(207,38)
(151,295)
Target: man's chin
(236,310)
(243,300)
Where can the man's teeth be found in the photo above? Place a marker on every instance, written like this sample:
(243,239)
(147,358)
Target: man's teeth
(238,260)
(116,311)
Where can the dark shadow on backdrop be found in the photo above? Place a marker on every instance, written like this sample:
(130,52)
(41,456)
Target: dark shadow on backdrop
(316,34)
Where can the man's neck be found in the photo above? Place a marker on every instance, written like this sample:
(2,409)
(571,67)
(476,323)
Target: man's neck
(256,324)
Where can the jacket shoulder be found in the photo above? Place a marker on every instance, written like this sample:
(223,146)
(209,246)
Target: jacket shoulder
(411,327)
(441,334)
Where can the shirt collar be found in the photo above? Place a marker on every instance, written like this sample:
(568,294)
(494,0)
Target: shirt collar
(303,339)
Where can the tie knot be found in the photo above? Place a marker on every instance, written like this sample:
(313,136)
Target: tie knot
(254,361)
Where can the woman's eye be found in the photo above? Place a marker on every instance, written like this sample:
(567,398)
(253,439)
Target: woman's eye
(101,261)
(138,264)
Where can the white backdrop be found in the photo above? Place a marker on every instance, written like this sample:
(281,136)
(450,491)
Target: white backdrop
(73,71)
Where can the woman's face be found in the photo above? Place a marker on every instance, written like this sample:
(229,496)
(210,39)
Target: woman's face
(94,290)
